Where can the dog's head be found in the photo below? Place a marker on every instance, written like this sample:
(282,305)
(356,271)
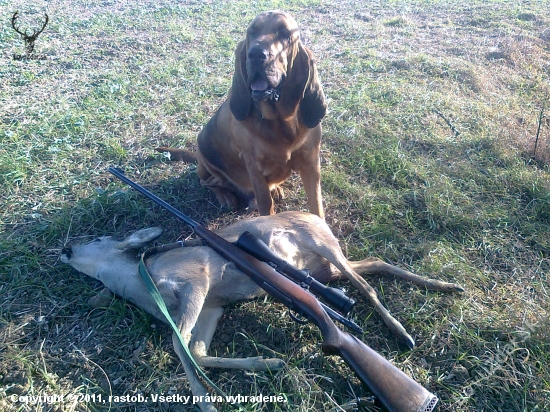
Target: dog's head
(271,64)
(271,43)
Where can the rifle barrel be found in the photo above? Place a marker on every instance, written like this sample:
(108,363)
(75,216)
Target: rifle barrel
(120,174)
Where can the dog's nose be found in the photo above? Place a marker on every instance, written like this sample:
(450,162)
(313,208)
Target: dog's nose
(258,55)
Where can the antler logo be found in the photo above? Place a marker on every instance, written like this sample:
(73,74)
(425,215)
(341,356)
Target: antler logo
(28,38)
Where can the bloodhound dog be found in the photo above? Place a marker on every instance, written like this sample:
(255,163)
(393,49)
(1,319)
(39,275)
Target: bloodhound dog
(269,125)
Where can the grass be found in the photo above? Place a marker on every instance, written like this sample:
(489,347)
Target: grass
(468,203)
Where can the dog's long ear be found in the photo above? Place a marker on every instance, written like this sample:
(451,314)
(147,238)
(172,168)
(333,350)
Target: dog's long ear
(302,90)
(240,100)
(313,106)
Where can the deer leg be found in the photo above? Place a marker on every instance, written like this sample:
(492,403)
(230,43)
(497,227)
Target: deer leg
(278,193)
(374,265)
(190,310)
(393,324)
(353,270)
(202,337)
(334,255)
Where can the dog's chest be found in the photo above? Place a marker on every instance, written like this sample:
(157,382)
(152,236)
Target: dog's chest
(275,151)
(275,167)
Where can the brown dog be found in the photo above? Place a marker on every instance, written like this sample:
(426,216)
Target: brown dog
(269,125)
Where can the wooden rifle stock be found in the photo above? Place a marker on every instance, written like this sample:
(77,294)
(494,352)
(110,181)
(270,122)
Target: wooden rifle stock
(397,391)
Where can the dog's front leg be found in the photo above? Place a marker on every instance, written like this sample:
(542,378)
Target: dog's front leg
(262,192)
(307,163)
(311,178)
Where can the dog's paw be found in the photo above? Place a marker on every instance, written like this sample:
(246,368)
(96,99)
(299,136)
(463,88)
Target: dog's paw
(226,199)
(278,194)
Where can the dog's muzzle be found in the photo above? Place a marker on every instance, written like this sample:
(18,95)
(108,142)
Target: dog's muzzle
(260,87)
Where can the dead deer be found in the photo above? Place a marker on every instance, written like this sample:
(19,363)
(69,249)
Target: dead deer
(197,283)
(28,38)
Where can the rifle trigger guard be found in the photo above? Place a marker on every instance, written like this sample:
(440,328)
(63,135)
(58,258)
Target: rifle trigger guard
(297,319)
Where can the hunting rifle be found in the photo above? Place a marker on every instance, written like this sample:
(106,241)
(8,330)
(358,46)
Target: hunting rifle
(397,391)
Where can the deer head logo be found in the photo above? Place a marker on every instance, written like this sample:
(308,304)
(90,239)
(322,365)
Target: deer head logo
(28,38)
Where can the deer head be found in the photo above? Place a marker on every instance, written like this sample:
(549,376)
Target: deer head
(108,255)
(28,38)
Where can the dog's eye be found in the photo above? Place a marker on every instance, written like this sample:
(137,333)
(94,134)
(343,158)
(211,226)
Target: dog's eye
(284,34)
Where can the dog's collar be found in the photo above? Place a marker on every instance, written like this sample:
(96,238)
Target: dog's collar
(266,95)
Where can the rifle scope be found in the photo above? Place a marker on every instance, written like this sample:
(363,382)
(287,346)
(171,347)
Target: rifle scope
(332,296)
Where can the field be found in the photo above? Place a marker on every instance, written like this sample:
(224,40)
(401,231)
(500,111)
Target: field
(435,157)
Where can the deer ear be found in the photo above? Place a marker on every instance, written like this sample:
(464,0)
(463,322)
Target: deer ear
(140,238)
